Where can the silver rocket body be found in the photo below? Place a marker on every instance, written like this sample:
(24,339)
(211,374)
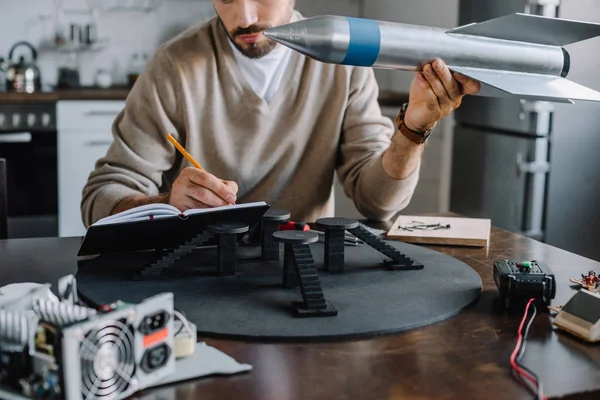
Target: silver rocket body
(517,54)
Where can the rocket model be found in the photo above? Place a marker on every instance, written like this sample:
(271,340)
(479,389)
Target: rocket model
(517,55)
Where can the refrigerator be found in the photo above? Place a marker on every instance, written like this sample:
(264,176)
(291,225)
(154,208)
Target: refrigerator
(533,167)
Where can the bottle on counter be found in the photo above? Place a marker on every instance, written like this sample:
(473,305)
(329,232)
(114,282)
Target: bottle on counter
(68,72)
(136,66)
(103,78)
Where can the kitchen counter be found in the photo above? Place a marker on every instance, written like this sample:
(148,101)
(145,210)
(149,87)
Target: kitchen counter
(386,98)
(73,94)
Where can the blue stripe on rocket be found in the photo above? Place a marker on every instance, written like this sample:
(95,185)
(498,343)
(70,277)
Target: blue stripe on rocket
(365,42)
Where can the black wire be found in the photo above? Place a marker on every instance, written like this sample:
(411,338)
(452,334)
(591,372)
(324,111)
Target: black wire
(180,329)
(182,322)
(527,384)
(89,302)
(524,343)
(521,352)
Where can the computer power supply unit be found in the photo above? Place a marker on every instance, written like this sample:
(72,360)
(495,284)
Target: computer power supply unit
(64,349)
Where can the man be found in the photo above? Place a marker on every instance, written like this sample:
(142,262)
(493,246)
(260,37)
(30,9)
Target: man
(266,123)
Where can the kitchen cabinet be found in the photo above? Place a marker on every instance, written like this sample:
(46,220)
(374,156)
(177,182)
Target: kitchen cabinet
(84,136)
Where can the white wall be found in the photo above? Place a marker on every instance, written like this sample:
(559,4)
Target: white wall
(127,33)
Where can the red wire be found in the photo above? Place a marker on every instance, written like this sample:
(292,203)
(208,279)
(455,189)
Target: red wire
(516,350)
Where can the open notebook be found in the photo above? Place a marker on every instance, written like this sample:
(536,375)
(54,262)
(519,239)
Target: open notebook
(161,226)
(159,211)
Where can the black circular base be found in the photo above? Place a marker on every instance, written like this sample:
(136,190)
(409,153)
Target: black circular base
(276,215)
(296,237)
(230,228)
(337,223)
(369,298)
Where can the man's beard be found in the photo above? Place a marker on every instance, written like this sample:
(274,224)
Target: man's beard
(252,50)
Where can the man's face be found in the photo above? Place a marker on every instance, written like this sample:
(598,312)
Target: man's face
(244,20)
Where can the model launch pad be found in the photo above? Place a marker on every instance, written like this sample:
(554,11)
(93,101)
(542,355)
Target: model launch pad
(262,281)
(298,264)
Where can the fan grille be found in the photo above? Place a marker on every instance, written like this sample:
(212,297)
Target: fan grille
(107,360)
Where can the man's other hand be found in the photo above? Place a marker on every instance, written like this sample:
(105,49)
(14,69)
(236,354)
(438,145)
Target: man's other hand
(195,188)
(434,93)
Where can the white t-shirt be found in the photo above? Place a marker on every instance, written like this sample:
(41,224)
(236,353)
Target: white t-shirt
(263,74)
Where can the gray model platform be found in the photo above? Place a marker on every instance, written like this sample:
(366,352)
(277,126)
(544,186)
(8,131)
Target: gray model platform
(370,300)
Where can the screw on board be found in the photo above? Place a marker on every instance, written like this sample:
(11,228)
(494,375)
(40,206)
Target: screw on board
(421,226)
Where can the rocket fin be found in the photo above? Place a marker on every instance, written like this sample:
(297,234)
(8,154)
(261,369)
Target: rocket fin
(532,29)
(531,86)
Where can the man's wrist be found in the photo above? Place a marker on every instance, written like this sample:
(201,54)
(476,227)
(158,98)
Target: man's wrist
(401,143)
(409,129)
(419,129)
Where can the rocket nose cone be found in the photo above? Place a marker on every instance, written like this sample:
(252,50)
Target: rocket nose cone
(292,35)
(324,38)
(275,33)
(284,33)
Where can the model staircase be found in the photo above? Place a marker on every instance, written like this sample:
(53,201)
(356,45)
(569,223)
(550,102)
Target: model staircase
(173,256)
(399,260)
(310,285)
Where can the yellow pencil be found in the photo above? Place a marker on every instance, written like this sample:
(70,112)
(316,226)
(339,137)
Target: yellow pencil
(187,155)
(184,152)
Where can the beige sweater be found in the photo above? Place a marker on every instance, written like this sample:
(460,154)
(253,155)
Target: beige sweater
(323,118)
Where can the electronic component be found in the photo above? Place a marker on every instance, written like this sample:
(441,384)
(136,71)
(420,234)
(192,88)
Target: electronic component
(518,282)
(56,349)
(185,336)
(590,282)
(581,316)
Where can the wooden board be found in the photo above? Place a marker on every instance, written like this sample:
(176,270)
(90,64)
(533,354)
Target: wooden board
(462,232)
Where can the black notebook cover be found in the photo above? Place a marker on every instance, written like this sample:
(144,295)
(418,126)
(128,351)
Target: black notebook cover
(162,233)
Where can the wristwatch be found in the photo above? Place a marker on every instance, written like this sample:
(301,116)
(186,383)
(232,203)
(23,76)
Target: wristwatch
(416,137)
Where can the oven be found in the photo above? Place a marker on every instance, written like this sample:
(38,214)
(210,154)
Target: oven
(28,143)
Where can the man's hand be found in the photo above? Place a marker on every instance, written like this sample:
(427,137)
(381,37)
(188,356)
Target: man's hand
(195,188)
(434,93)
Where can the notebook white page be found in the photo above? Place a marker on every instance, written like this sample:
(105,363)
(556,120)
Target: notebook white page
(160,211)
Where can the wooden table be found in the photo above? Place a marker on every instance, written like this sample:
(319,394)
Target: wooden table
(465,357)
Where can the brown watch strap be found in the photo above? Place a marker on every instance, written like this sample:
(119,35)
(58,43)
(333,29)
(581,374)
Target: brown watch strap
(415,137)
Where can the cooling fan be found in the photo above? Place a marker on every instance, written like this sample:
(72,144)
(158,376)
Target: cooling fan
(116,354)
(66,349)
(107,360)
